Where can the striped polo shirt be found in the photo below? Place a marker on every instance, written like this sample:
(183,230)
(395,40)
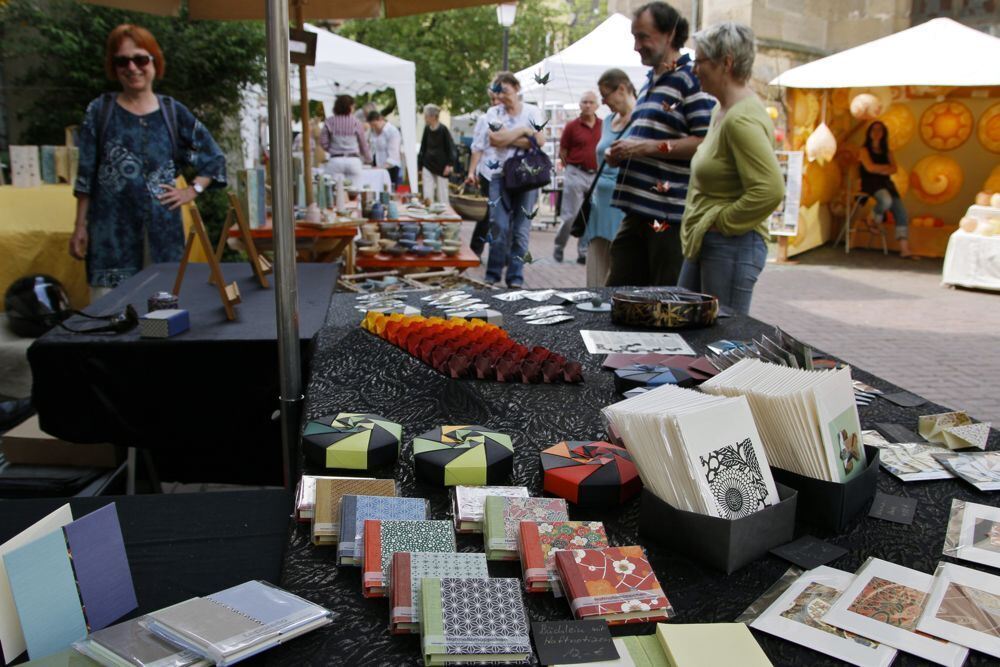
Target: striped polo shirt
(690,116)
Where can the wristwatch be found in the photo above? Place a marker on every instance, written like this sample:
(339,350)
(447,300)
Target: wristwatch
(198,188)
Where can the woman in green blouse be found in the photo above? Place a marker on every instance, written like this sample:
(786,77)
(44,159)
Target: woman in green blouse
(735,180)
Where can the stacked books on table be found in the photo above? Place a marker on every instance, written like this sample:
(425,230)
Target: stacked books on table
(355,510)
(468,501)
(503,517)
(410,569)
(538,544)
(329,491)
(128,644)
(808,420)
(383,538)
(698,453)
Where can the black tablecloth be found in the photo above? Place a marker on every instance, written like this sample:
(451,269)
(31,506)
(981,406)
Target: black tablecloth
(201,400)
(355,371)
(182,545)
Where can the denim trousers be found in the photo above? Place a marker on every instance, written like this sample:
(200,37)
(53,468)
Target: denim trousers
(510,227)
(727,268)
(886,201)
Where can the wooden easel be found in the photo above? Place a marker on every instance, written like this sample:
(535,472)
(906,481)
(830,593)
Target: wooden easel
(230,294)
(259,263)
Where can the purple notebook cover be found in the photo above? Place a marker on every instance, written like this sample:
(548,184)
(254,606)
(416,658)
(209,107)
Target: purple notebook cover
(101,566)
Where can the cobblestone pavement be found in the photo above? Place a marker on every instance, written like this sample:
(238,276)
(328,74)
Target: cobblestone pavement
(886,315)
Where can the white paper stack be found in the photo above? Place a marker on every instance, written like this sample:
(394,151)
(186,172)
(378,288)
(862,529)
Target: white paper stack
(808,419)
(699,453)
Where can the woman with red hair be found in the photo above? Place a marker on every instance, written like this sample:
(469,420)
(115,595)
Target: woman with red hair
(132,146)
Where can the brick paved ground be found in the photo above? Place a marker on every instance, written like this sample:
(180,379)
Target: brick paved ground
(889,316)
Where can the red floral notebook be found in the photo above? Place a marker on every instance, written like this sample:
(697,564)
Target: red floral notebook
(616,584)
(538,543)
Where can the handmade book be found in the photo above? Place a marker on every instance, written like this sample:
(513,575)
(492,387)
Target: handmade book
(538,544)
(236,623)
(354,510)
(964,607)
(700,644)
(468,502)
(473,620)
(408,569)
(503,517)
(616,584)
(305,496)
(384,538)
(329,491)
(129,644)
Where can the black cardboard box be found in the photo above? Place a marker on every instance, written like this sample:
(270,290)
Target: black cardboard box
(833,505)
(724,544)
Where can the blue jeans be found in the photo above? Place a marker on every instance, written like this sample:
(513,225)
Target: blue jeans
(886,201)
(727,268)
(509,229)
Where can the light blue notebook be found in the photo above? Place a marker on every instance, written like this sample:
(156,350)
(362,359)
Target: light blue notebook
(354,510)
(41,581)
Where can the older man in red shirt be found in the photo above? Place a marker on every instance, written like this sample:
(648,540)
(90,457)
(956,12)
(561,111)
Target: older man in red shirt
(578,152)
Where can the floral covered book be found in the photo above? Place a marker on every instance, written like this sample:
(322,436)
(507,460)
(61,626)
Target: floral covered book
(616,584)
(468,502)
(407,571)
(473,620)
(503,517)
(539,543)
(384,538)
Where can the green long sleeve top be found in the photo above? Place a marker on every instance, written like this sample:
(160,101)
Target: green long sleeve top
(735,180)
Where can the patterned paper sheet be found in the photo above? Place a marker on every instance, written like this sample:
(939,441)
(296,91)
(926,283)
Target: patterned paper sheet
(617,580)
(517,510)
(484,616)
(810,606)
(735,479)
(971,608)
(426,565)
(413,536)
(379,507)
(562,535)
(889,602)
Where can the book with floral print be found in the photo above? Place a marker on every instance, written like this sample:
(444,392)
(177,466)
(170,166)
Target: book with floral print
(616,584)
(408,569)
(503,517)
(384,538)
(539,543)
(473,620)
(468,504)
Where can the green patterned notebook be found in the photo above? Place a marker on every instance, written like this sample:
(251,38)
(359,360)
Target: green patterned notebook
(384,538)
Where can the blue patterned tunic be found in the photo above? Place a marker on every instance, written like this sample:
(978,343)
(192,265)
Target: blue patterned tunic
(123,185)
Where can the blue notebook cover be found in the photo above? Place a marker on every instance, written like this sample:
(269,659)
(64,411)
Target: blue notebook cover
(41,581)
(101,566)
(354,510)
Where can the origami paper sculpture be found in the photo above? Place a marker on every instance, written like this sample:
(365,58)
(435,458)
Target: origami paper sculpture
(469,455)
(351,440)
(590,473)
(644,375)
(955,430)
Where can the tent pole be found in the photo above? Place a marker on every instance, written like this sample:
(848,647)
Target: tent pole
(304,111)
(285,278)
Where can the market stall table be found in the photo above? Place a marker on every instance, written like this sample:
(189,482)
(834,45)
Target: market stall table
(313,243)
(973,261)
(465,259)
(353,370)
(201,401)
(371,178)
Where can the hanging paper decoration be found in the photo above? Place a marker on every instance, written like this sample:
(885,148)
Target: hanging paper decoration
(946,125)
(351,440)
(901,124)
(590,473)
(988,130)
(821,145)
(936,179)
(866,106)
(463,455)
(471,349)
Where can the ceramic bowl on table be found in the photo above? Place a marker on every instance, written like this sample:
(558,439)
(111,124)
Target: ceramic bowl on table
(364,243)
(450,231)
(368,251)
(451,250)
(437,208)
(370,228)
(431,227)
(432,243)
(395,236)
(397,250)
(389,227)
(385,244)
(422,250)
(408,243)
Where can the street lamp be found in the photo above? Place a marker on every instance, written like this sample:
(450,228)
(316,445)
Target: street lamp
(505,17)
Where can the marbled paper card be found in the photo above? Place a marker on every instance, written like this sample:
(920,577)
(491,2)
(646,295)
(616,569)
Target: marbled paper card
(973,533)
(964,607)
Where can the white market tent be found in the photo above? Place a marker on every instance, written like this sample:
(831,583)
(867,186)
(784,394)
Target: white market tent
(940,52)
(345,67)
(575,69)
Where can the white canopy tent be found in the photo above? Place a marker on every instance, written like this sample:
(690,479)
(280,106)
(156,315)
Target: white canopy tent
(575,69)
(940,52)
(345,67)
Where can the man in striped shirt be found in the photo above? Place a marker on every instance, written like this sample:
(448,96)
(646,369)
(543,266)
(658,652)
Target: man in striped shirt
(669,121)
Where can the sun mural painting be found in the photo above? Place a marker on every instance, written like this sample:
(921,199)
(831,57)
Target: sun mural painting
(946,125)
(988,130)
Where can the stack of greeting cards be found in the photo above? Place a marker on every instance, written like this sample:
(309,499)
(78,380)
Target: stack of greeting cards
(503,517)
(384,538)
(129,643)
(409,569)
(539,543)
(468,502)
(697,452)
(355,510)
(473,620)
(616,584)
(808,419)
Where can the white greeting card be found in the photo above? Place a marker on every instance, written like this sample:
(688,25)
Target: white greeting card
(963,606)
(25,167)
(973,533)
(634,342)
(796,616)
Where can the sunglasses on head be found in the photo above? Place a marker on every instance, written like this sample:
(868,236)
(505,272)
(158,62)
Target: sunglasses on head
(140,60)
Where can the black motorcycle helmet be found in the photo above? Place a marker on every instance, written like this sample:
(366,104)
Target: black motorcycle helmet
(35,304)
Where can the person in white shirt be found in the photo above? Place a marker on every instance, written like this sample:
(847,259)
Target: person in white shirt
(477,175)
(510,127)
(385,146)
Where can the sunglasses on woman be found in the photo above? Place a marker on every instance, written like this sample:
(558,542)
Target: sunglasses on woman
(140,61)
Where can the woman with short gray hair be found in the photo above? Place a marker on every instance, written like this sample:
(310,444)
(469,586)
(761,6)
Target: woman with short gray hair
(436,157)
(735,180)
